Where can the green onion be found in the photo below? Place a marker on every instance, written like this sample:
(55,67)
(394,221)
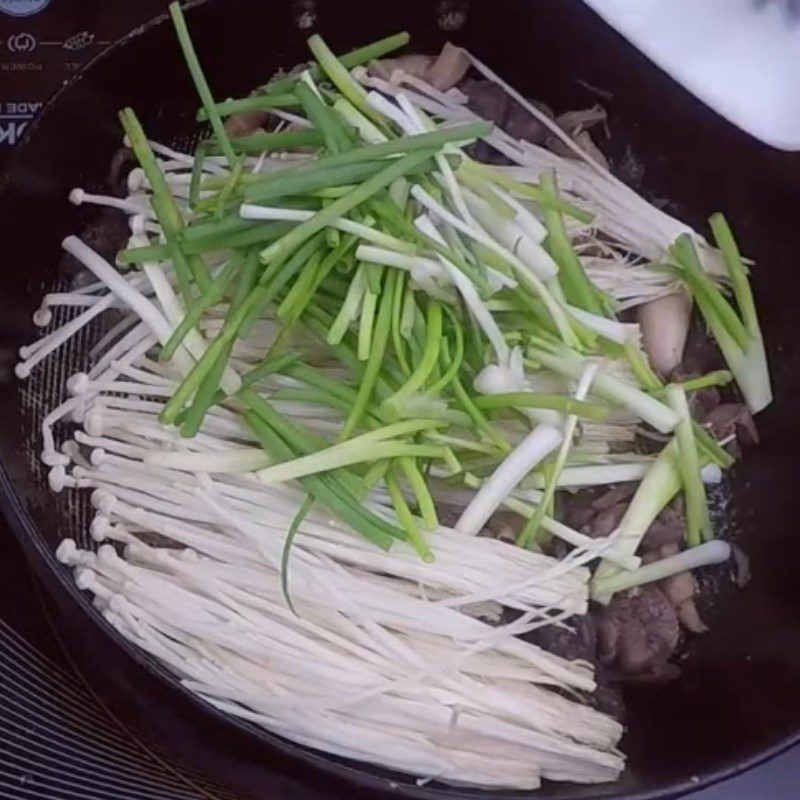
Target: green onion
(736,272)
(299,182)
(193,315)
(275,278)
(561,360)
(368,307)
(720,377)
(704,290)
(406,519)
(554,402)
(298,303)
(340,207)
(452,369)
(578,289)
(258,102)
(698,521)
(377,152)
(162,201)
(341,79)
(525,190)
(659,487)
(711,449)
(205,397)
(200,82)
(430,357)
(741,344)
(344,455)
(297,521)
(200,153)
(269,366)
(323,119)
(354,58)
(350,306)
(230,187)
(369,379)
(273,142)
(327,491)
(207,394)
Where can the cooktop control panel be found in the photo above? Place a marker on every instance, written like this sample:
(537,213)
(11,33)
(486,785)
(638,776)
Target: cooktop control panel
(44,42)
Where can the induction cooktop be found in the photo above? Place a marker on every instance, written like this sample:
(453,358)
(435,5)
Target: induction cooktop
(58,737)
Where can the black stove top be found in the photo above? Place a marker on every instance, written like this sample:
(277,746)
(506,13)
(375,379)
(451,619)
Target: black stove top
(52,726)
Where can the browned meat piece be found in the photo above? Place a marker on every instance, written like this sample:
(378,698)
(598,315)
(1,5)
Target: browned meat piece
(690,617)
(705,401)
(246,123)
(614,496)
(106,234)
(486,154)
(678,589)
(443,72)
(122,163)
(577,508)
(577,641)
(521,124)
(414,64)
(487,100)
(637,632)
(505,525)
(605,522)
(573,122)
(741,562)
(733,419)
(449,69)
(658,553)
(448,515)
(668,528)
(576,124)
(701,354)
(597,514)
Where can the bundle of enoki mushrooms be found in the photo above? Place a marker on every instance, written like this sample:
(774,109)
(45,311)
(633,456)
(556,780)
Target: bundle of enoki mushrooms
(338,343)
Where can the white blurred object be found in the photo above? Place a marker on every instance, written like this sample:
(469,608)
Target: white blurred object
(740,57)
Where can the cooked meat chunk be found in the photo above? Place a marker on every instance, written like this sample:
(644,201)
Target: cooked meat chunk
(700,355)
(597,514)
(487,100)
(521,124)
(730,419)
(443,72)
(246,123)
(576,639)
(667,529)
(577,508)
(106,234)
(637,632)
(614,497)
(449,68)
(414,64)
(505,525)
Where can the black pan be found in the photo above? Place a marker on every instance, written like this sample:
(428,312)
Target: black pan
(738,701)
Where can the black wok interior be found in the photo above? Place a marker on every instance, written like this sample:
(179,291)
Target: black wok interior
(739,697)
